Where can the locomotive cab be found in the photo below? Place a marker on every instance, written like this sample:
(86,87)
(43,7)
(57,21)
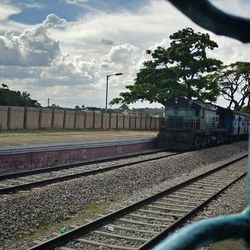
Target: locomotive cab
(188,124)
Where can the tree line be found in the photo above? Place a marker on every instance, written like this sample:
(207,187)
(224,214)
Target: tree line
(184,69)
(16,98)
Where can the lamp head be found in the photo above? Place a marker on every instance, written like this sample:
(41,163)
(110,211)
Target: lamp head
(119,74)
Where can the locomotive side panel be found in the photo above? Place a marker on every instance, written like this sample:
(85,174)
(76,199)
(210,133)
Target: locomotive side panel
(240,125)
(189,124)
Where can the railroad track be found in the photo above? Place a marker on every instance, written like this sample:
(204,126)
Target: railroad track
(143,224)
(29,179)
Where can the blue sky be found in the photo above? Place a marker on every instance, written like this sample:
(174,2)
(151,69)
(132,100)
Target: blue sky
(63,49)
(36,11)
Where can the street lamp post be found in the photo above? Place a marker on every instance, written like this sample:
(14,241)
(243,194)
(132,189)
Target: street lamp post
(106,101)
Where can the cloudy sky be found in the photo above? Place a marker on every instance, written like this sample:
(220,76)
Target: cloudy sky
(63,49)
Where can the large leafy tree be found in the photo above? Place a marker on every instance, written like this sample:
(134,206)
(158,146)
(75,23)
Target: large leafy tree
(183,69)
(16,98)
(234,80)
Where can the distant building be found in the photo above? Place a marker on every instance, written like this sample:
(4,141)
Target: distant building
(93,109)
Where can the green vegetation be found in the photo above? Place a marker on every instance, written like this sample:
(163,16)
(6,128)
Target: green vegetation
(183,69)
(234,83)
(16,98)
(246,109)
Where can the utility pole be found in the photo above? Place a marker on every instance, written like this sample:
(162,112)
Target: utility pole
(106,99)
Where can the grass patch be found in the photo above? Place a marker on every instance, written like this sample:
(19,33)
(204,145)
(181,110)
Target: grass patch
(46,229)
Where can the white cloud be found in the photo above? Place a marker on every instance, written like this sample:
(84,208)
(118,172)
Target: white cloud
(70,70)
(53,21)
(34,47)
(33,5)
(73,70)
(7,10)
(123,54)
(148,25)
(76,2)
(230,50)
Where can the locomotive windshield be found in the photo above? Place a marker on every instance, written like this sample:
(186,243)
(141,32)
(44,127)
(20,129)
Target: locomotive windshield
(182,107)
(185,113)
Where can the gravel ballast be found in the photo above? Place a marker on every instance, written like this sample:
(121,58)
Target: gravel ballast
(25,213)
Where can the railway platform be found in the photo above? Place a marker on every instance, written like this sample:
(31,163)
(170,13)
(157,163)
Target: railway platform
(27,151)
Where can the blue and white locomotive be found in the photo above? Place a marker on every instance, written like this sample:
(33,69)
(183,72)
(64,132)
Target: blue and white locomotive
(191,124)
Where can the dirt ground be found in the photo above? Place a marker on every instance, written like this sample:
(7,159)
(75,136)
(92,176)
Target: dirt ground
(12,138)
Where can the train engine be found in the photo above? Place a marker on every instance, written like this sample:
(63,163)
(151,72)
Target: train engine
(189,124)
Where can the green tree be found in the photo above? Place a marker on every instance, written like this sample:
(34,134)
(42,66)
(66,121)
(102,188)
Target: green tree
(16,98)
(124,107)
(234,80)
(183,69)
(77,108)
(245,109)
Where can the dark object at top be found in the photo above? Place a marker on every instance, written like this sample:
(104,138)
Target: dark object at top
(207,16)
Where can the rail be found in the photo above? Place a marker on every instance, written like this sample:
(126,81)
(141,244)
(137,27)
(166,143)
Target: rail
(236,226)
(141,225)
(26,180)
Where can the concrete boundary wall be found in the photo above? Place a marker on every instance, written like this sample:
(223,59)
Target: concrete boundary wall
(17,117)
(45,118)
(143,122)
(69,119)
(98,121)
(138,122)
(58,118)
(32,118)
(105,121)
(126,121)
(3,117)
(132,124)
(120,121)
(112,121)
(12,118)
(79,120)
(89,122)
